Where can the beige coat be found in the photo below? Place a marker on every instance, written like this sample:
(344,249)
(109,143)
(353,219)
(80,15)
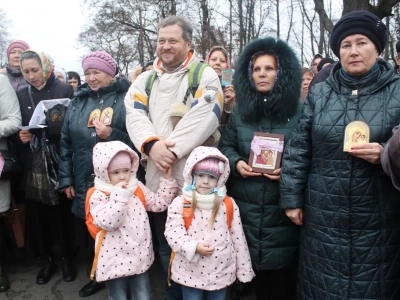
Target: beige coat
(10,119)
(149,119)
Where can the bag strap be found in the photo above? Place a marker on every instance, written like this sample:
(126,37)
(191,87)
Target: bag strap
(30,97)
(195,73)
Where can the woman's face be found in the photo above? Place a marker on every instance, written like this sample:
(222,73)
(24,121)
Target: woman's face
(13,58)
(358,54)
(60,76)
(264,73)
(315,64)
(307,77)
(32,71)
(218,62)
(73,82)
(97,79)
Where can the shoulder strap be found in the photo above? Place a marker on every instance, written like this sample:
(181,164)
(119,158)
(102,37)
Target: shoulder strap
(149,83)
(30,96)
(229,210)
(139,193)
(195,73)
(188,212)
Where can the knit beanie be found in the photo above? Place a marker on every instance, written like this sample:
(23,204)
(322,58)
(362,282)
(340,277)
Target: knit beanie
(17,44)
(359,22)
(121,160)
(100,60)
(211,166)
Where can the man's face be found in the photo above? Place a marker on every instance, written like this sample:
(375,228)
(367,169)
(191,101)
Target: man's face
(172,49)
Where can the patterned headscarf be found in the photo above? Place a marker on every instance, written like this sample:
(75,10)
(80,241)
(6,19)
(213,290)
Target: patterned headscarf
(47,66)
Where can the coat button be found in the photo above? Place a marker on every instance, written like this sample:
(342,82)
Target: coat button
(93,134)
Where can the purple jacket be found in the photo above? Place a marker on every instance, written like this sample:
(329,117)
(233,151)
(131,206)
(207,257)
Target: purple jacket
(15,77)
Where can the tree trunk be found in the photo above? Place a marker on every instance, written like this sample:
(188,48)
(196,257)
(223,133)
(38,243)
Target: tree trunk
(278,22)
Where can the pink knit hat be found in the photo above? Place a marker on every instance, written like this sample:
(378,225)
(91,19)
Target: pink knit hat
(121,160)
(17,44)
(211,166)
(100,60)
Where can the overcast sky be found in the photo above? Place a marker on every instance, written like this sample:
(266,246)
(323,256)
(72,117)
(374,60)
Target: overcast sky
(51,26)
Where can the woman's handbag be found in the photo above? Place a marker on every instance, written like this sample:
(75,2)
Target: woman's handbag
(42,178)
(12,166)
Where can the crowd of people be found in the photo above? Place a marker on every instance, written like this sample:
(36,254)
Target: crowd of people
(269,177)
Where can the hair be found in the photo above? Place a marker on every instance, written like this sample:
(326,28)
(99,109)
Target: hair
(220,49)
(31,55)
(216,206)
(262,53)
(72,74)
(306,71)
(187,29)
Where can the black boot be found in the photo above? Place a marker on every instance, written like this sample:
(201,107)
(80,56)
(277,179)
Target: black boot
(239,290)
(46,272)
(68,270)
(4,282)
(91,288)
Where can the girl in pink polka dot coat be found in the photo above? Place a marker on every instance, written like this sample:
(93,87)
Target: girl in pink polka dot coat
(126,252)
(209,256)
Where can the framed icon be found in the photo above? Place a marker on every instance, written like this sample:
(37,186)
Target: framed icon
(106,116)
(94,116)
(266,152)
(355,133)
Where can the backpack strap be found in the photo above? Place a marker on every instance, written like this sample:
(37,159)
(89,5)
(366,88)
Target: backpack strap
(195,73)
(149,83)
(138,192)
(229,210)
(187,213)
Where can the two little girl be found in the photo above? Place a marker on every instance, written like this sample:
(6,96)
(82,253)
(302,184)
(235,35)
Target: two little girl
(210,249)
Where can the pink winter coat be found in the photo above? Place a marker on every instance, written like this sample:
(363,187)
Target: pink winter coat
(127,246)
(231,258)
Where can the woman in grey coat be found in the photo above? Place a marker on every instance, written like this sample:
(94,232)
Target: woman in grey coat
(10,119)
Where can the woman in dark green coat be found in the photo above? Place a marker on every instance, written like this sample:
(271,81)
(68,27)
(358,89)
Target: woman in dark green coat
(95,114)
(346,205)
(267,83)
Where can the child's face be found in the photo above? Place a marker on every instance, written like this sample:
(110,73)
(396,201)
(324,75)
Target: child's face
(205,183)
(120,175)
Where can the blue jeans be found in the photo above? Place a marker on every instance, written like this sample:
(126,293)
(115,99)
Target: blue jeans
(190,293)
(136,286)
(173,292)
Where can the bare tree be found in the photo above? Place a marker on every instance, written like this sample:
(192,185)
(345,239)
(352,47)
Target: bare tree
(4,37)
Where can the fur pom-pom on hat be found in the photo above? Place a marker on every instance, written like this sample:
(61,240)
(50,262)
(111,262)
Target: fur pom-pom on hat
(100,60)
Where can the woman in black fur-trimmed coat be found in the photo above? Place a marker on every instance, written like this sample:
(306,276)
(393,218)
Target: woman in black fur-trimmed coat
(267,84)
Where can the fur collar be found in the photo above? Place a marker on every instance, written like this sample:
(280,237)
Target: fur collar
(281,103)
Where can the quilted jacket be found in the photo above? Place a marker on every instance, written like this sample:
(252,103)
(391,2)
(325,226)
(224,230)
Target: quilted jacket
(77,139)
(127,247)
(350,238)
(230,259)
(272,238)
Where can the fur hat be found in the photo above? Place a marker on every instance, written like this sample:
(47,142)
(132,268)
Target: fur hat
(359,22)
(17,44)
(211,166)
(121,160)
(100,60)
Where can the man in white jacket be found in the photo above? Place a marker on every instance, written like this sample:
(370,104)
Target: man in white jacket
(148,118)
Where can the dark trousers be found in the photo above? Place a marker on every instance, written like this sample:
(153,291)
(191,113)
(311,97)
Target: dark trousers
(173,292)
(47,225)
(276,284)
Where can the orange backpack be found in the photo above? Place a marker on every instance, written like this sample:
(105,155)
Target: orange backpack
(93,230)
(188,216)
